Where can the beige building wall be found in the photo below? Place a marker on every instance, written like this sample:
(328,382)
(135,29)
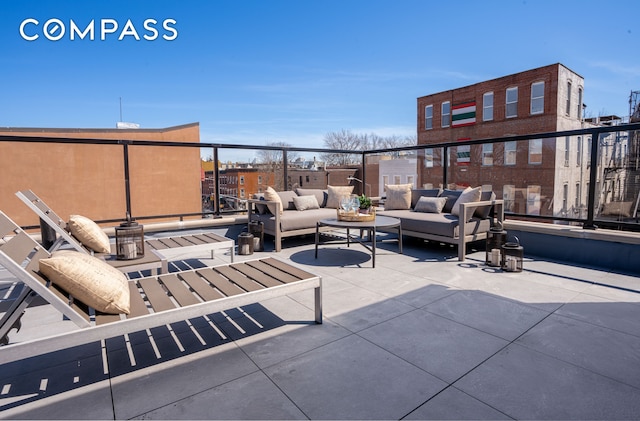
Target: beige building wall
(89,180)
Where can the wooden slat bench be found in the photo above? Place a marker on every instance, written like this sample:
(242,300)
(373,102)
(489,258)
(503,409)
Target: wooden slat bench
(155,300)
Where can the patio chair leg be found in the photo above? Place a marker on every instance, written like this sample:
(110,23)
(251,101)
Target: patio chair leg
(12,319)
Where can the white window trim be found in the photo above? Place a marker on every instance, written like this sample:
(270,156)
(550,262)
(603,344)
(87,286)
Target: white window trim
(426,127)
(485,107)
(538,97)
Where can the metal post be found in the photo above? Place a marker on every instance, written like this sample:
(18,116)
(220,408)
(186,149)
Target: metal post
(445,166)
(285,172)
(216,180)
(127,185)
(593,176)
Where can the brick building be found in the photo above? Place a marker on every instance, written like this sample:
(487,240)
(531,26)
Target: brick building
(537,177)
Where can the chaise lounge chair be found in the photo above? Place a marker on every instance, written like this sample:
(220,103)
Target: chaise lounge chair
(166,248)
(154,301)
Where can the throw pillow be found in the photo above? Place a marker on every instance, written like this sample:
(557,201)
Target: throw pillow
(430,204)
(468,195)
(452,196)
(89,280)
(286,197)
(306,202)
(89,234)
(398,197)
(416,194)
(483,211)
(271,195)
(335,193)
(260,208)
(321,195)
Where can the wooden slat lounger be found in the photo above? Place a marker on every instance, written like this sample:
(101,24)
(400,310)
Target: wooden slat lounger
(166,248)
(155,301)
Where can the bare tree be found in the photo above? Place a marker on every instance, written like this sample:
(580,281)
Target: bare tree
(344,140)
(272,160)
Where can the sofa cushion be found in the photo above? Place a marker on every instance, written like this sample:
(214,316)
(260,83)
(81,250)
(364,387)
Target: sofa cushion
(398,196)
(321,195)
(89,234)
(430,204)
(293,220)
(468,195)
(286,197)
(89,280)
(335,193)
(483,211)
(272,196)
(304,203)
(441,224)
(416,194)
(452,196)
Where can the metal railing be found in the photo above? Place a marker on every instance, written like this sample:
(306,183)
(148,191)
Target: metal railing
(444,163)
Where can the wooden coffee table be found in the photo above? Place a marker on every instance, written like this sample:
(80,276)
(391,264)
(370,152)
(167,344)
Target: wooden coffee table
(370,226)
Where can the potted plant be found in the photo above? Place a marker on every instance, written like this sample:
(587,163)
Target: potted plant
(365,203)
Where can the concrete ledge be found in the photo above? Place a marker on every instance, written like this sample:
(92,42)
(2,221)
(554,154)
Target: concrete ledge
(602,248)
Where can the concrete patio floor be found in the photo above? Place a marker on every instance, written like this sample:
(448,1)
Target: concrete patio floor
(421,336)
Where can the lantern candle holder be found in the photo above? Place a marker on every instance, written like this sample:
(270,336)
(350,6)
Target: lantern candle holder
(512,256)
(129,240)
(496,238)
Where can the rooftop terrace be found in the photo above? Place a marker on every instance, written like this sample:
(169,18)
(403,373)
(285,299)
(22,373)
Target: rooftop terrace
(421,336)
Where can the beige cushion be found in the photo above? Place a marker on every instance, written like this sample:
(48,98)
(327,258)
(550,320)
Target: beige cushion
(335,193)
(398,197)
(89,280)
(89,234)
(468,195)
(272,196)
(303,203)
(430,204)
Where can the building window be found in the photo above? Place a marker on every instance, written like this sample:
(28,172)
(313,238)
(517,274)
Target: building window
(410,180)
(537,98)
(242,180)
(385,181)
(578,195)
(589,145)
(242,193)
(579,103)
(535,151)
(428,158)
(533,200)
(512,102)
(487,106)
(567,149)
(259,179)
(397,179)
(510,152)
(428,117)
(568,110)
(446,114)
(487,154)
(579,152)
(565,198)
(508,195)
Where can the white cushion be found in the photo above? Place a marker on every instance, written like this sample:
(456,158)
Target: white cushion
(335,193)
(398,197)
(89,234)
(89,280)
(430,204)
(303,203)
(468,195)
(272,196)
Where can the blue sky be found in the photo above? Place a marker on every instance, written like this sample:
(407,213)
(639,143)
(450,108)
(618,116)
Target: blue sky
(253,72)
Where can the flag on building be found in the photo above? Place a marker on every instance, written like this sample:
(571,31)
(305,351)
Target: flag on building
(463,114)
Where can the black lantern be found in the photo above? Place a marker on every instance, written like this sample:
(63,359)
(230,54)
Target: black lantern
(512,256)
(496,238)
(257,229)
(129,240)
